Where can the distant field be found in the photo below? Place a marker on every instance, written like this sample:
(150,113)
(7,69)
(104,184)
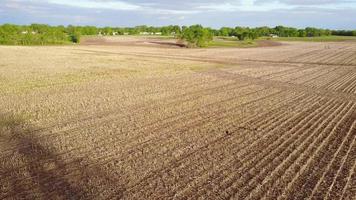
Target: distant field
(142,118)
(231,42)
(318,39)
(172,42)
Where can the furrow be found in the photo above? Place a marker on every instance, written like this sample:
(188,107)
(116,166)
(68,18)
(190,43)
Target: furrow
(316,148)
(340,182)
(234,145)
(335,78)
(348,59)
(344,82)
(351,85)
(101,144)
(334,56)
(319,163)
(245,152)
(110,118)
(336,163)
(340,82)
(349,191)
(272,186)
(271,158)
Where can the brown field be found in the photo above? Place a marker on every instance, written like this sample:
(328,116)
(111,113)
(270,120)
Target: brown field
(152,121)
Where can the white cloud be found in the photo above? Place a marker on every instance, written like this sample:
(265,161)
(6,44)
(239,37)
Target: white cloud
(219,7)
(172,12)
(248,5)
(327,4)
(121,5)
(114,5)
(216,13)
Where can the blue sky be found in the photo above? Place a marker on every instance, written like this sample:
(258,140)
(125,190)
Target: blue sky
(335,14)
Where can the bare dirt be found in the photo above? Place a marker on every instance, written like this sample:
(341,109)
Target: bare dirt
(152,41)
(140,121)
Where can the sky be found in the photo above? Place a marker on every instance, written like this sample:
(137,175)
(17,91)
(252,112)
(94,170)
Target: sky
(332,14)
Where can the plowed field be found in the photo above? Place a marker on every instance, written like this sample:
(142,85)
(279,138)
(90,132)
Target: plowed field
(146,122)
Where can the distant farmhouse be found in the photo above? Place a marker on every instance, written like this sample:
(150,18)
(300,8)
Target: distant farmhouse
(273,35)
(150,33)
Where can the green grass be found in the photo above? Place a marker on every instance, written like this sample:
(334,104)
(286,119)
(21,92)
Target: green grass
(229,42)
(332,38)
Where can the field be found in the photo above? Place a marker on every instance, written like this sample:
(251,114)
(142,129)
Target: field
(133,118)
(332,38)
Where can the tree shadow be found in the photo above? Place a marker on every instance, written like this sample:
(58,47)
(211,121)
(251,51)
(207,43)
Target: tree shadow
(29,170)
(172,44)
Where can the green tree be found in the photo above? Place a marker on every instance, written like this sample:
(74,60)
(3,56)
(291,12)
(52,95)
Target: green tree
(196,36)
(241,33)
(226,31)
(75,37)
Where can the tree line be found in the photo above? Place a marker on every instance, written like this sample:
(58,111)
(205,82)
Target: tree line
(37,34)
(199,36)
(195,35)
(281,31)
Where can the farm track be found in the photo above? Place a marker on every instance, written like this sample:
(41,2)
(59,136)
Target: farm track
(269,123)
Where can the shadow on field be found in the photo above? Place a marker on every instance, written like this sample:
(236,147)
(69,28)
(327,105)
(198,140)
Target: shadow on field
(29,170)
(172,44)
